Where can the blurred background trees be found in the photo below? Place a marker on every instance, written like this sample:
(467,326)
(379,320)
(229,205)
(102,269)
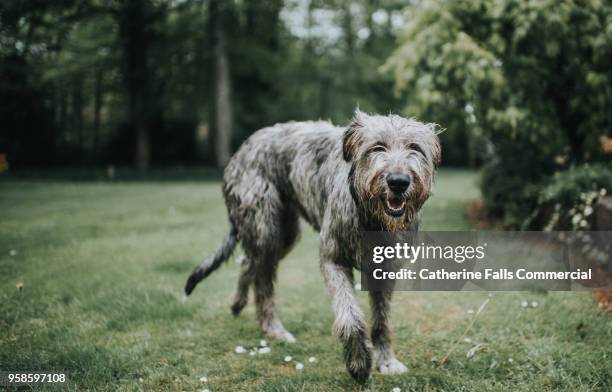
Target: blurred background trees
(166,82)
(524,88)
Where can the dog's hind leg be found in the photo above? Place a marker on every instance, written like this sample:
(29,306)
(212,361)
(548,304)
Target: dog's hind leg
(266,307)
(267,233)
(265,274)
(384,357)
(245,280)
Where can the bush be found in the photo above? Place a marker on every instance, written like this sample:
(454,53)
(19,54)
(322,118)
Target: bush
(530,77)
(506,196)
(566,202)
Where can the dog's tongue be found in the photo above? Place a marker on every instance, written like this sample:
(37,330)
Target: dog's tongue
(395,203)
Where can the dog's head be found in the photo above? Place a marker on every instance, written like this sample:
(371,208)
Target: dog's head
(393,161)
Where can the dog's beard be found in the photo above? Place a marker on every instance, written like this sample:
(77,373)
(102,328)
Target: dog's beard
(390,219)
(389,213)
(381,209)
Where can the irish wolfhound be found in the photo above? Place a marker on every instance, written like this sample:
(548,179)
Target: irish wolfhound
(373,175)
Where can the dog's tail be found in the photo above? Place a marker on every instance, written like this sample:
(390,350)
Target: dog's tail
(214,261)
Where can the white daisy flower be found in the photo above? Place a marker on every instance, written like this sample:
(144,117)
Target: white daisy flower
(264,350)
(239,350)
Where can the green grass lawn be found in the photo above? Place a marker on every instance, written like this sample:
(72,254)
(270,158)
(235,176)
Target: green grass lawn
(103,267)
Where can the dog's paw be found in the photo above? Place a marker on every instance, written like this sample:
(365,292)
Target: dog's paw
(281,334)
(358,359)
(288,337)
(237,305)
(391,366)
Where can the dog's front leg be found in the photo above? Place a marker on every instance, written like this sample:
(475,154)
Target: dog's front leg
(349,325)
(384,357)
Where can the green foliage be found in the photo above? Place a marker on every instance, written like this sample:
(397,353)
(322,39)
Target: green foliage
(550,204)
(567,201)
(505,195)
(527,82)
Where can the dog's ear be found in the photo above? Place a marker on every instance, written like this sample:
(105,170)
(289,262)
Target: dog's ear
(436,149)
(352,136)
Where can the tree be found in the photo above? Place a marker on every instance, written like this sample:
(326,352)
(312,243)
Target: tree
(528,81)
(221,103)
(135,36)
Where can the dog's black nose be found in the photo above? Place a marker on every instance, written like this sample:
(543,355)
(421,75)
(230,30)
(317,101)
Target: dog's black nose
(398,183)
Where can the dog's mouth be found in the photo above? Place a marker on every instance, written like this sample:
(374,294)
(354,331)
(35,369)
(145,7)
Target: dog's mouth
(394,206)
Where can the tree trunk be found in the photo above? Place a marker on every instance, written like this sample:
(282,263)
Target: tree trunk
(63,115)
(77,113)
(136,42)
(221,108)
(97,108)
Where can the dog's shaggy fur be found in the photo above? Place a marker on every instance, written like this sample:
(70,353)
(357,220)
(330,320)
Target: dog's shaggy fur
(373,175)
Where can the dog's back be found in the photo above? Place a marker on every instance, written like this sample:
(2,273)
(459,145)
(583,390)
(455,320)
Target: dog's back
(292,159)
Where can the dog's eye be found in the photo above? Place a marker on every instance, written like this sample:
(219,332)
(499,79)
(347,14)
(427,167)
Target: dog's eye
(417,148)
(378,148)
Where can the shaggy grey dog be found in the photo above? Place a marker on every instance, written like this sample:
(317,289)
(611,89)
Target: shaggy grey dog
(373,175)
